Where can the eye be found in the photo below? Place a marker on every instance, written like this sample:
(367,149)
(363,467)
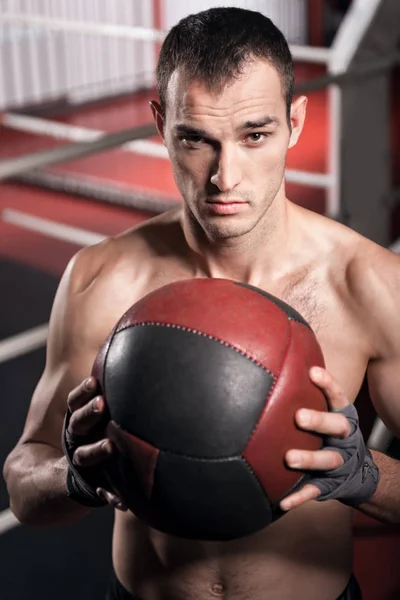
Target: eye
(192,141)
(257,137)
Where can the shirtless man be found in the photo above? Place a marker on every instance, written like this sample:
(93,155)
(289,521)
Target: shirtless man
(227,118)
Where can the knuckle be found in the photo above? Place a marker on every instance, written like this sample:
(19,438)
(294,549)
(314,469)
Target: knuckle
(84,391)
(336,460)
(316,419)
(86,411)
(87,386)
(96,404)
(312,419)
(328,381)
(315,462)
(72,426)
(89,411)
(346,431)
(71,400)
(98,448)
(85,455)
(77,421)
(108,496)
(106,447)
(79,457)
(345,425)
(100,493)
(96,452)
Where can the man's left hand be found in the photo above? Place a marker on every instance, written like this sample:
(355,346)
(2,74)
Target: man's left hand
(350,480)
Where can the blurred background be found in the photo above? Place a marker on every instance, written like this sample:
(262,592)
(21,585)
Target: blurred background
(80,160)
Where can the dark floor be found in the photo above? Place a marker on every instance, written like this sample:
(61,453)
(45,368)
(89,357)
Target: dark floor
(63,563)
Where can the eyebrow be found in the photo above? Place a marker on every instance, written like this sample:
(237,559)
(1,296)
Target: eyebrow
(191,130)
(259,123)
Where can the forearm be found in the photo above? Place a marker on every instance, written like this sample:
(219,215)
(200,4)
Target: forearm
(36,481)
(385,503)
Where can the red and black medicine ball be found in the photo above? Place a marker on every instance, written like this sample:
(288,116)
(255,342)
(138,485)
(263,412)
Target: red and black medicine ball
(202,379)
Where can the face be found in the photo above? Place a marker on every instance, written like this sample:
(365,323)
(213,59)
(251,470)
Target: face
(228,149)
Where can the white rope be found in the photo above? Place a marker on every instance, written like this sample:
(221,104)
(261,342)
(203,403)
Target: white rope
(7,521)
(22,343)
(73,133)
(318,180)
(395,247)
(311,54)
(109,30)
(74,235)
(302,53)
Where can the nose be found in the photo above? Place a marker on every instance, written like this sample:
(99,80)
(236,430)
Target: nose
(228,172)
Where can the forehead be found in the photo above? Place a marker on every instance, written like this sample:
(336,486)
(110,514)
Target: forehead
(257,89)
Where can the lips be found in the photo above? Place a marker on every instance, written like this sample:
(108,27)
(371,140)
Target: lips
(227,207)
(229,201)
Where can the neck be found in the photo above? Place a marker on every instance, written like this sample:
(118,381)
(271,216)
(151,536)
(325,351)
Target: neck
(248,258)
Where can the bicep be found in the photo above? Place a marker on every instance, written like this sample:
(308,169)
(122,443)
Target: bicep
(49,401)
(46,412)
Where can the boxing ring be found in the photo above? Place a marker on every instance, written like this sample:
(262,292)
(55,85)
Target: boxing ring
(89,164)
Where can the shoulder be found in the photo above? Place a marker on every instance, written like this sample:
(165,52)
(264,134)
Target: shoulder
(373,272)
(100,281)
(133,245)
(368,280)
(365,268)
(364,275)
(373,280)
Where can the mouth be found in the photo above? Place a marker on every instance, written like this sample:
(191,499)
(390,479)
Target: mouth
(226,207)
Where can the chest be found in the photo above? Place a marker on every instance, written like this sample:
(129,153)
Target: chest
(337,330)
(343,340)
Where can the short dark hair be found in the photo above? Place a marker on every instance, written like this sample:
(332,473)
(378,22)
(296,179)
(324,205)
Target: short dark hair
(213,45)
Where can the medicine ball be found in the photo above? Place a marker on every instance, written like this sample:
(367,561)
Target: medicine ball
(202,379)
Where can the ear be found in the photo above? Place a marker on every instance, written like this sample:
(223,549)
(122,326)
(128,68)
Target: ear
(297,118)
(158,117)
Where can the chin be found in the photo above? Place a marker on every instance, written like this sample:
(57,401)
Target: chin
(226,228)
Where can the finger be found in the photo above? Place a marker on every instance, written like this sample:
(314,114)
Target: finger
(307,493)
(80,395)
(326,423)
(93,454)
(333,391)
(83,419)
(320,460)
(112,499)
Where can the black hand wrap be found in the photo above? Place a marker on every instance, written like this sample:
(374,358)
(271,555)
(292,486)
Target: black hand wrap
(81,482)
(356,480)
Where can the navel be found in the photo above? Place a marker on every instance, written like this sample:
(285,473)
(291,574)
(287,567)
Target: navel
(218,588)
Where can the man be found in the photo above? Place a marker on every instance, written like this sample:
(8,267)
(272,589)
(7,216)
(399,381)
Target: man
(227,118)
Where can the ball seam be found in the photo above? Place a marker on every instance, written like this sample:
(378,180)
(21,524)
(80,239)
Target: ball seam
(273,386)
(206,335)
(298,321)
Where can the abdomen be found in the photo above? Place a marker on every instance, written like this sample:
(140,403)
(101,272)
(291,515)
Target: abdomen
(307,553)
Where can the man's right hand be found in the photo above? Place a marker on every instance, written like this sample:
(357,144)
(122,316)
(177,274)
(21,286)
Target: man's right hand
(86,448)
